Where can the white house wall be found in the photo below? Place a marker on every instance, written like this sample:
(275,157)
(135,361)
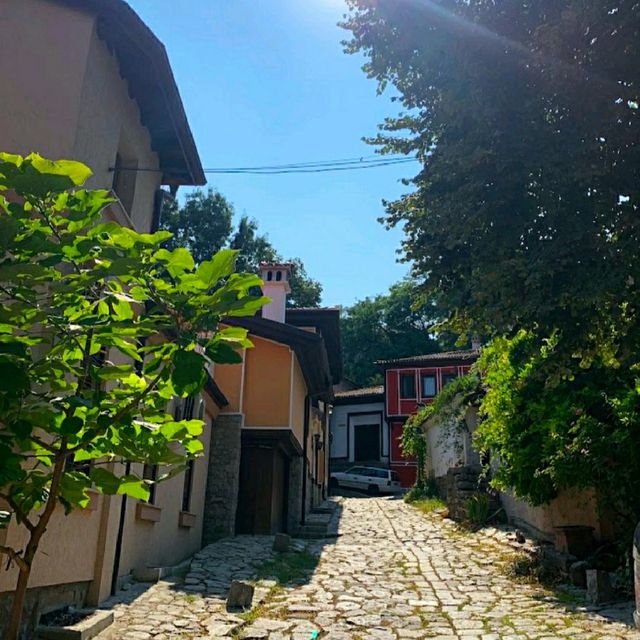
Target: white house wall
(343,420)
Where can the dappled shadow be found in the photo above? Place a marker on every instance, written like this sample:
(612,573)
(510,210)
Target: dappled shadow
(194,604)
(573,600)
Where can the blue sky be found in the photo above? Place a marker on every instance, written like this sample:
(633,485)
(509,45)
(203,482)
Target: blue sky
(267,82)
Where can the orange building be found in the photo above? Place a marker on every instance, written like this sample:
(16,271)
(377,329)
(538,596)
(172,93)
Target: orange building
(268,462)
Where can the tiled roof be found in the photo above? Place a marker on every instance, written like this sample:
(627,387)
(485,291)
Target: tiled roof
(468,355)
(358,393)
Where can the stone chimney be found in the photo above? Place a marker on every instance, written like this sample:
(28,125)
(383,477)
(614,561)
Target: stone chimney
(276,286)
(476,344)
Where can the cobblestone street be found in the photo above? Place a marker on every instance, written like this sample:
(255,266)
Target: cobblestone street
(392,573)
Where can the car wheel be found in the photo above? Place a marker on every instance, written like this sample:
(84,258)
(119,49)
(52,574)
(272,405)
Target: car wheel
(373,490)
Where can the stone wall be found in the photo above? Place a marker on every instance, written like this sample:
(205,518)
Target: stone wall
(221,499)
(459,485)
(41,600)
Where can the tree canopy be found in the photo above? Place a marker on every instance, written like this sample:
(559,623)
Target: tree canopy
(523,221)
(205,224)
(525,117)
(387,326)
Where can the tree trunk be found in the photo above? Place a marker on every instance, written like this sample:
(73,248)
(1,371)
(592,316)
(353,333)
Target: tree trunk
(36,532)
(12,632)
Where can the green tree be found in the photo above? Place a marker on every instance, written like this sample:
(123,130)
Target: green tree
(524,116)
(577,430)
(204,224)
(523,221)
(252,247)
(387,326)
(99,328)
(305,291)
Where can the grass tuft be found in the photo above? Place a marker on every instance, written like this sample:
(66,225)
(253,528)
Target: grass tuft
(428,505)
(288,567)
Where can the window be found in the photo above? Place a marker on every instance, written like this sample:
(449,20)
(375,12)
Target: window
(407,385)
(184,408)
(447,378)
(125,171)
(188,486)
(150,472)
(428,385)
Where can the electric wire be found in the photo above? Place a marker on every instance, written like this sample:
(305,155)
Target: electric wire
(317,166)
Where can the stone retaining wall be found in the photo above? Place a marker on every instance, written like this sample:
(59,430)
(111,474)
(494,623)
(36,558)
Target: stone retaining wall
(221,500)
(459,485)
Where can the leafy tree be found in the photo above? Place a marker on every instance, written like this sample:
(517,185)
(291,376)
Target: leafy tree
(573,431)
(387,326)
(525,117)
(252,248)
(204,224)
(99,329)
(523,221)
(305,292)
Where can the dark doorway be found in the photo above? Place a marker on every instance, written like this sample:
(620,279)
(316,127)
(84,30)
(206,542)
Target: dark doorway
(366,442)
(262,492)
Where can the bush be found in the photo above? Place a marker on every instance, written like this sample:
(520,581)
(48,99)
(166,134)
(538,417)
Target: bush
(423,489)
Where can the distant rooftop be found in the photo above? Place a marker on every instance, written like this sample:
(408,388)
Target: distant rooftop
(465,355)
(365,391)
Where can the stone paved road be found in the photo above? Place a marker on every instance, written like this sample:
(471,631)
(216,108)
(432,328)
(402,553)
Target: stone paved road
(392,573)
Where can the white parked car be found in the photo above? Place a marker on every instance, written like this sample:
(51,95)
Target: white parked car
(370,479)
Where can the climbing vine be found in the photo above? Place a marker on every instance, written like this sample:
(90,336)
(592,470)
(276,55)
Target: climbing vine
(450,407)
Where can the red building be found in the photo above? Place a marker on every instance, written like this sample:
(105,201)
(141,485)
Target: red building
(410,383)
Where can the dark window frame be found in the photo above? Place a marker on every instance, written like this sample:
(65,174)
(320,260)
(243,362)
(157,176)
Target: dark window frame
(423,377)
(403,394)
(150,472)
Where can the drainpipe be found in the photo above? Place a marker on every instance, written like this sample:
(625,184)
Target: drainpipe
(118,551)
(636,562)
(305,440)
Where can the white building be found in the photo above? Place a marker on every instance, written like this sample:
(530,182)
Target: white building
(359,431)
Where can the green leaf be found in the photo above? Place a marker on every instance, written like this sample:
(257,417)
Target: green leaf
(105,481)
(134,488)
(115,372)
(177,261)
(193,447)
(189,373)
(220,266)
(77,172)
(71,425)
(223,353)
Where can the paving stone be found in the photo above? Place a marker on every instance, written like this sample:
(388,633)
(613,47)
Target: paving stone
(391,574)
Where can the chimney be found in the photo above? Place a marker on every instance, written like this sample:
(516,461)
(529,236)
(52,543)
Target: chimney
(276,286)
(476,343)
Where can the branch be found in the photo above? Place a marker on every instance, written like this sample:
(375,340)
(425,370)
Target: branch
(140,397)
(47,447)
(15,556)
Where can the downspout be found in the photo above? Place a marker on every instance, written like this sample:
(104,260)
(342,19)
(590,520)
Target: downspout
(118,550)
(325,444)
(305,440)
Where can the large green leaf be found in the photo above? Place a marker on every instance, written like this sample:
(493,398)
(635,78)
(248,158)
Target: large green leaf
(177,261)
(189,374)
(220,266)
(134,488)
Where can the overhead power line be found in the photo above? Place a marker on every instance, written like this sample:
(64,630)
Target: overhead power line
(318,166)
